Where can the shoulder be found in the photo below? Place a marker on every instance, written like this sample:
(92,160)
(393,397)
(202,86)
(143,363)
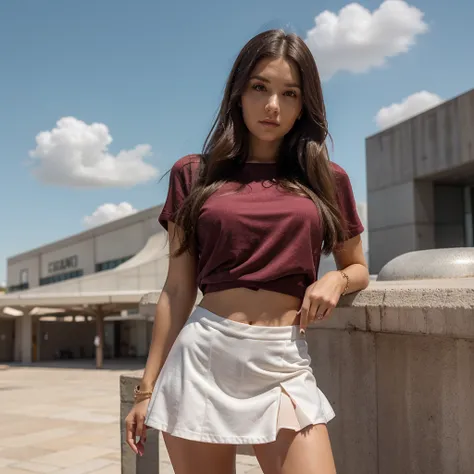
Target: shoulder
(338,170)
(341,177)
(186,169)
(187,163)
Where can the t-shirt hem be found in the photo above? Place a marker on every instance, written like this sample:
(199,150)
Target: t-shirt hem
(213,287)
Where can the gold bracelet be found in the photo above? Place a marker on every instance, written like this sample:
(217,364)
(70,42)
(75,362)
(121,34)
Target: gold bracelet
(344,274)
(140,395)
(140,399)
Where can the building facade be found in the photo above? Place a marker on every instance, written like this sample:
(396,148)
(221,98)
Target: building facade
(95,250)
(55,266)
(420,179)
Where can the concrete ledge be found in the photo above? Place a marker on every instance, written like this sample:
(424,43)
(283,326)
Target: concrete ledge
(395,361)
(424,307)
(406,292)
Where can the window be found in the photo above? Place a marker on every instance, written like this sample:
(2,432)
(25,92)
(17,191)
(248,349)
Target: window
(24,276)
(110,264)
(20,287)
(23,285)
(61,277)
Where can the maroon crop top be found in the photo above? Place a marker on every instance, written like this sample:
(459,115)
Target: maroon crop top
(261,237)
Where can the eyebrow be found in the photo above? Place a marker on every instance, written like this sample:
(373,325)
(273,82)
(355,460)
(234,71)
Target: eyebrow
(264,79)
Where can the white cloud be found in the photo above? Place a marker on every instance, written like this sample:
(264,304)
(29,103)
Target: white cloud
(108,212)
(357,40)
(409,107)
(76,154)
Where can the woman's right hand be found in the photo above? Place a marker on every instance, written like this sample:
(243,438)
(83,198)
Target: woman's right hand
(135,426)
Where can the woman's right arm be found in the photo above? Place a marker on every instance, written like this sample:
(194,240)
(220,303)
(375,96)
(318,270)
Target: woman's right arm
(174,306)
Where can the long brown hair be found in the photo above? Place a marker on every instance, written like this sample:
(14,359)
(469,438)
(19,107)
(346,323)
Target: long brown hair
(302,164)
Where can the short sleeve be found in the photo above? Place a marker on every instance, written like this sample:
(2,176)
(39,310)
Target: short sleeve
(351,220)
(181,179)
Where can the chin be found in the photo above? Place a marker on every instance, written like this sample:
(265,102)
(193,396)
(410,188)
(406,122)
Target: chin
(268,137)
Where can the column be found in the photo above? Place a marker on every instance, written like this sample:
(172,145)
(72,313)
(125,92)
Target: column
(99,340)
(38,340)
(18,332)
(26,338)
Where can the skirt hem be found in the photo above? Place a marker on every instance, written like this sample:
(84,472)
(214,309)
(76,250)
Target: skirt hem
(215,439)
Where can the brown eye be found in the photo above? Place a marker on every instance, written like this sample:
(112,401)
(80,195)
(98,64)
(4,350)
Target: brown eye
(292,94)
(257,86)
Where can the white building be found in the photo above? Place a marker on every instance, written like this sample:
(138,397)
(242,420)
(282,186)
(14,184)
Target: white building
(108,267)
(95,250)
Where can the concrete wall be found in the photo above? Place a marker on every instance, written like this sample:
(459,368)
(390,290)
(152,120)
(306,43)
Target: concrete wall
(402,219)
(403,162)
(437,140)
(31,264)
(121,242)
(396,363)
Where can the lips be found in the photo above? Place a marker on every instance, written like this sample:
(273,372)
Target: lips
(270,123)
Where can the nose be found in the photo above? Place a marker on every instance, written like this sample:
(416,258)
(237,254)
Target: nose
(272,105)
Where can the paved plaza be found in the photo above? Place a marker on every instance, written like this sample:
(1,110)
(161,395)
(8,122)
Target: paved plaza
(63,418)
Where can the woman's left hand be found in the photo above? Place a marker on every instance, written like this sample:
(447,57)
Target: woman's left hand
(321,298)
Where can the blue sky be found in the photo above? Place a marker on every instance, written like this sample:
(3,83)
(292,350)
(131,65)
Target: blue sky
(153,72)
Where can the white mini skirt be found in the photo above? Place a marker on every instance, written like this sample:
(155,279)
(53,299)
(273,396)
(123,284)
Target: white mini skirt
(234,383)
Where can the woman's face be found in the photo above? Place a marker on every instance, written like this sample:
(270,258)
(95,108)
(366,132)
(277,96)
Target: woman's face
(272,99)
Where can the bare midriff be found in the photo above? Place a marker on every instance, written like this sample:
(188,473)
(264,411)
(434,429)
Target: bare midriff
(259,308)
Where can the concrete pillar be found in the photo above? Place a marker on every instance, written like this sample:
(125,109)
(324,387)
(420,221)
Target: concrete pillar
(401,219)
(131,463)
(99,340)
(38,339)
(26,338)
(424,215)
(17,342)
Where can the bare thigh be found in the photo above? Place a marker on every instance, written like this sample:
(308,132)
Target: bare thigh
(306,452)
(194,457)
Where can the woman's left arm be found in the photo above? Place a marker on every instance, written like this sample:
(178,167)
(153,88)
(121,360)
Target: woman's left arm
(350,259)
(323,295)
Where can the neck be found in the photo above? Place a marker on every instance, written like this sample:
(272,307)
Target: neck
(261,151)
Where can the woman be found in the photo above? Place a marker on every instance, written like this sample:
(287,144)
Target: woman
(248,220)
